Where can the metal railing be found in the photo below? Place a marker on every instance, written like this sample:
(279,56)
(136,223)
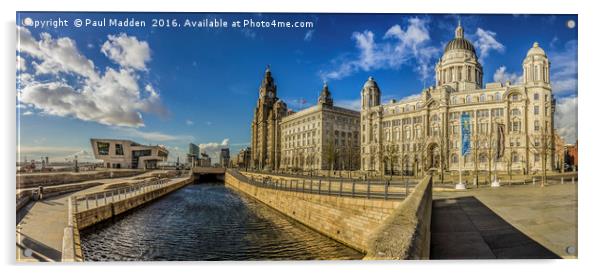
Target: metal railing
(370,189)
(102,198)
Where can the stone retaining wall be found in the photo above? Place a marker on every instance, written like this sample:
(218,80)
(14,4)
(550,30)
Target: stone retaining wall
(406,234)
(350,221)
(92,216)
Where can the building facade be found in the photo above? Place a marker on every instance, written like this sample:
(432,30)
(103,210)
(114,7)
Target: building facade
(511,124)
(265,139)
(321,137)
(128,154)
(193,155)
(224,157)
(243,158)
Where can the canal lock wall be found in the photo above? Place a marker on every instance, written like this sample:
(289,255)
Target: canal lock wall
(82,219)
(381,229)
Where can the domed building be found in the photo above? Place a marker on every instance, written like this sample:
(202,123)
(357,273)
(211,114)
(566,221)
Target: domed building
(510,124)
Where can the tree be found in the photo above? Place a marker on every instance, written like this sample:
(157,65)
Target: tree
(475,151)
(390,155)
(542,145)
(331,154)
(508,159)
(490,146)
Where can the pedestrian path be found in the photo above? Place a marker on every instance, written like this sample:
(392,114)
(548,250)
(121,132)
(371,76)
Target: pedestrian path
(464,228)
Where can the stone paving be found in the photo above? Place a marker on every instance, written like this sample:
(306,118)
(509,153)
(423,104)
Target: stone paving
(547,216)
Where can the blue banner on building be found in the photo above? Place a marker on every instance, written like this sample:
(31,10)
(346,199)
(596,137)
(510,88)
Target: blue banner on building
(465,124)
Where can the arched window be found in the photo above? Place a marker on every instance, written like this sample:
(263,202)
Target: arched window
(483,158)
(498,96)
(483,98)
(454,158)
(468,99)
(454,100)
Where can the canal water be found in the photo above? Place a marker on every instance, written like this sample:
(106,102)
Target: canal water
(207,222)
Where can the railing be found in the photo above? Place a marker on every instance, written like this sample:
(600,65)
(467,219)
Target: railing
(370,189)
(102,198)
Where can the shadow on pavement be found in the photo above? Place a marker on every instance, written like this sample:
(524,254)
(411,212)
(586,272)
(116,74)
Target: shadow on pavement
(464,228)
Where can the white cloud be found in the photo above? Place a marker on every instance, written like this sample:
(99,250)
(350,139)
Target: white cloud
(27,113)
(153,136)
(354,104)
(21,64)
(189,122)
(213,148)
(127,51)
(565,118)
(309,35)
(56,55)
(564,69)
(485,42)
(112,98)
(501,76)
(399,47)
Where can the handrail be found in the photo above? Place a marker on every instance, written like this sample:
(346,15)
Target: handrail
(369,189)
(101,198)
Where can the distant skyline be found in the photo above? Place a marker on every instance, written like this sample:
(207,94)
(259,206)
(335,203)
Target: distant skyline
(175,86)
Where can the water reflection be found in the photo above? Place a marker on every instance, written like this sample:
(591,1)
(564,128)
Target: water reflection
(207,222)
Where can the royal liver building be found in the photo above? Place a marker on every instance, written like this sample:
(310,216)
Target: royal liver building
(511,124)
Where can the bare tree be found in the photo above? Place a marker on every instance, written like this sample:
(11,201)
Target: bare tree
(542,145)
(475,141)
(331,154)
(390,155)
(490,146)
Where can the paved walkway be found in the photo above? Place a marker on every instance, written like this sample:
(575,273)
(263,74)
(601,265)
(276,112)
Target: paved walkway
(464,228)
(40,224)
(509,222)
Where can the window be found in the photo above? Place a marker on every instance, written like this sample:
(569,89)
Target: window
(483,98)
(536,110)
(103,148)
(454,158)
(536,125)
(118,149)
(515,97)
(483,158)
(536,157)
(515,112)
(454,100)
(536,96)
(498,96)
(497,112)
(516,126)
(468,99)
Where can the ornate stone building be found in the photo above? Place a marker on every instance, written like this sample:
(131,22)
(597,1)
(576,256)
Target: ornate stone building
(321,137)
(423,132)
(265,138)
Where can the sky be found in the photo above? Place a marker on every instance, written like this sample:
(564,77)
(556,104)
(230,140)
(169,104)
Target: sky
(179,85)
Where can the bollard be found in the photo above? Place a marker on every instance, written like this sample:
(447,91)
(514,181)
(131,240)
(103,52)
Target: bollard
(329,185)
(87,204)
(562,180)
(105,197)
(320,186)
(386,191)
(368,190)
(353,189)
(340,188)
(533,180)
(303,186)
(572,180)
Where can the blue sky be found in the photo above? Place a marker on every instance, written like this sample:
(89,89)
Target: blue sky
(174,86)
